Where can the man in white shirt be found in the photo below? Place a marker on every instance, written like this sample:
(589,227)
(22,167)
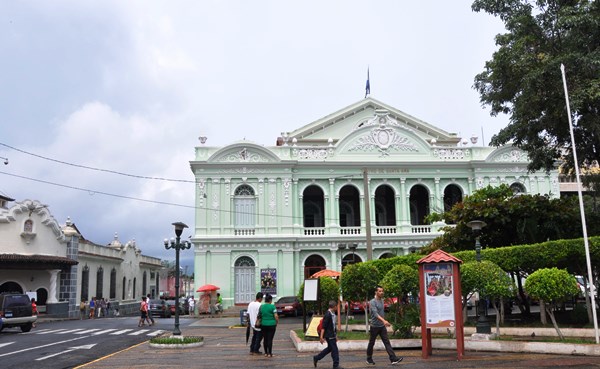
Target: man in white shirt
(253,308)
(192,305)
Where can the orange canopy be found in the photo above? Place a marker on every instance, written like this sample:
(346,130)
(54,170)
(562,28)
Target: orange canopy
(327,273)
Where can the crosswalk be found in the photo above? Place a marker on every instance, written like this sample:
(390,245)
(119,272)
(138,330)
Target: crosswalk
(99,332)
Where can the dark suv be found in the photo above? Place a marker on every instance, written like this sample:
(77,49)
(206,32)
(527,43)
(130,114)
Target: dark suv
(15,311)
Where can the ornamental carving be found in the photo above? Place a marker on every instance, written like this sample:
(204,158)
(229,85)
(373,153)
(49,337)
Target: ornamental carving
(244,156)
(512,156)
(312,154)
(450,154)
(383,139)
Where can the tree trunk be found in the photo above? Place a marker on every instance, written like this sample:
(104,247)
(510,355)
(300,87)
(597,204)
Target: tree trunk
(523,303)
(501,310)
(551,313)
(497,316)
(543,318)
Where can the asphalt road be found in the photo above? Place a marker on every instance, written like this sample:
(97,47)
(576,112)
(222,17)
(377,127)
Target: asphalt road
(68,343)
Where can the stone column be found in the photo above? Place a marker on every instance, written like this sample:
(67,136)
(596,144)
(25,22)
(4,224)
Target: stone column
(53,286)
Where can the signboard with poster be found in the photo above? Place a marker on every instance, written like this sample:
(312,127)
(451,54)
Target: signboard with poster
(441,298)
(268,281)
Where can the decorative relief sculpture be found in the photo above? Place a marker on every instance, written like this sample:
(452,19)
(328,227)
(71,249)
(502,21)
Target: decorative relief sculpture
(243,155)
(384,139)
(286,190)
(450,154)
(512,156)
(314,154)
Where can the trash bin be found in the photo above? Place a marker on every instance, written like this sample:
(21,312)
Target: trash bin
(243,317)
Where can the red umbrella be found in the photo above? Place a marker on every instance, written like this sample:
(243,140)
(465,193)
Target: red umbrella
(208,288)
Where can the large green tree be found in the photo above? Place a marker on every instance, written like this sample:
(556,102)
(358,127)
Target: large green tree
(523,78)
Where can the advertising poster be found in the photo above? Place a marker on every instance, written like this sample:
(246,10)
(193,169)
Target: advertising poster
(268,281)
(439,305)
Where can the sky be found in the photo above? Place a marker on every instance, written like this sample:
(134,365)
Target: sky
(129,86)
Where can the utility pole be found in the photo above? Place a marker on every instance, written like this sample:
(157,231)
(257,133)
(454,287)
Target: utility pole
(367,201)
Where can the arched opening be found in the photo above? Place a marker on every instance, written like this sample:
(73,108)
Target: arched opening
(351,258)
(385,207)
(518,188)
(313,205)
(387,255)
(419,204)
(245,281)
(349,206)
(244,204)
(11,287)
(134,287)
(452,196)
(313,264)
(124,288)
(28,226)
(144,283)
(42,296)
(85,283)
(113,283)
(100,283)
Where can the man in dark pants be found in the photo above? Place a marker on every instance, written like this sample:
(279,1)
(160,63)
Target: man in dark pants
(378,328)
(329,334)
(253,308)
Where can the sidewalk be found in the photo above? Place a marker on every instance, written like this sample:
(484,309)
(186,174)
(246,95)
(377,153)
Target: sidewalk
(226,348)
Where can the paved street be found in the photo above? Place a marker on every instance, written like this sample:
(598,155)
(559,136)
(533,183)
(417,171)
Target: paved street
(226,348)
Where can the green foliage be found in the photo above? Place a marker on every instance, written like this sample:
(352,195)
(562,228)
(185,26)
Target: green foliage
(552,285)
(523,78)
(172,340)
(401,280)
(486,278)
(510,220)
(328,290)
(358,281)
(410,318)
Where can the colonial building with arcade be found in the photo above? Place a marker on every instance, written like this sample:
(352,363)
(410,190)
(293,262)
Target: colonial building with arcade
(268,217)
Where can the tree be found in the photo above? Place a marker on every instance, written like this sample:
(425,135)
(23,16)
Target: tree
(523,78)
(553,286)
(489,280)
(358,282)
(399,282)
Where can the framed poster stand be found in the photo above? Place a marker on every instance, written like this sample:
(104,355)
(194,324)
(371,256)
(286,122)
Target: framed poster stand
(310,293)
(441,299)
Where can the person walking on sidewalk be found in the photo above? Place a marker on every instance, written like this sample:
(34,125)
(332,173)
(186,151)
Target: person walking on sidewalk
(329,333)
(268,311)
(143,312)
(253,309)
(149,317)
(379,328)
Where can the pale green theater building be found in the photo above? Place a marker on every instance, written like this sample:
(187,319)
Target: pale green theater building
(268,217)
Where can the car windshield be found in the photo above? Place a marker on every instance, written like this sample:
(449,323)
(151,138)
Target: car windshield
(286,300)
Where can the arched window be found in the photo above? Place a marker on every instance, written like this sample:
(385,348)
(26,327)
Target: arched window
(419,204)
(124,288)
(28,226)
(452,196)
(244,203)
(113,284)
(100,283)
(351,258)
(244,261)
(144,283)
(518,188)
(385,206)
(313,264)
(349,207)
(85,283)
(134,285)
(313,205)
(387,255)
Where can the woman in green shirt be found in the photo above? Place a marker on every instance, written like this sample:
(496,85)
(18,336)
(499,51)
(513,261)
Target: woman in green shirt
(268,311)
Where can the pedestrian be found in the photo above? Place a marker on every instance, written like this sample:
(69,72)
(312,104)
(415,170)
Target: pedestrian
(81,309)
(268,311)
(34,310)
(253,309)
(192,305)
(379,328)
(329,333)
(101,308)
(149,317)
(143,312)
(92,307)
(219,304)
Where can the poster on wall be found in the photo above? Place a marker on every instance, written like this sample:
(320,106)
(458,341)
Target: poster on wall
(439,304)
(268,281)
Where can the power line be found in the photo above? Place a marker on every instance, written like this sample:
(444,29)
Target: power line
(97,169)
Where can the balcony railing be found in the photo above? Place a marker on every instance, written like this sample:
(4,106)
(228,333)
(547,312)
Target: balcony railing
(245,232)
(314,231)
(421,229)
(350,230)
(385,230)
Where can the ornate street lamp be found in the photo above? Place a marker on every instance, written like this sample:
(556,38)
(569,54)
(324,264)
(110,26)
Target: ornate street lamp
(482,326)
(177,245)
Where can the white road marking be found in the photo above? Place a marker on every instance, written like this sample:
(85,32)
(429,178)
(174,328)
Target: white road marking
(71,331)
(121,331)
(88,331)
(48,332)
(38,347)
(155,333)
(84,347)
(139,332)
(6,344)
(104,331)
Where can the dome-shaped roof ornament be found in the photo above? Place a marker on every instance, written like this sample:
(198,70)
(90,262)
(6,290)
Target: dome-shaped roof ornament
(68,229)
(115,242)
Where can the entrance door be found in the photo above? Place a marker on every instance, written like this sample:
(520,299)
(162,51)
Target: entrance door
(245,285)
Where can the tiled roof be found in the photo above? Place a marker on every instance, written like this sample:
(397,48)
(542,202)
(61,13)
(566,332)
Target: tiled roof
(35,259)
(439,256)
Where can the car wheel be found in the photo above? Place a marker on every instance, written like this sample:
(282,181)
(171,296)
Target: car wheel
(26,327)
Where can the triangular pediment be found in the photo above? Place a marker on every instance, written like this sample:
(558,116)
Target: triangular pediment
(335,127)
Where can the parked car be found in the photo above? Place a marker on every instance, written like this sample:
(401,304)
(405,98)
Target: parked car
(359,306)
(171,305)
(289,305)
(159,308)
(16,311)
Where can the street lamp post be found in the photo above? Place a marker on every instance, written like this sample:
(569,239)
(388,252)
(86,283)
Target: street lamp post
(483,325)
(177,245)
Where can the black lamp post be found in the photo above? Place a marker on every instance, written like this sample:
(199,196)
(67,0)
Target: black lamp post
(177,245)
(483,325)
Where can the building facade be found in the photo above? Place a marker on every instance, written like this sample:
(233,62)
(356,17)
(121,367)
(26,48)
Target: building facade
(58,266)
(357,182)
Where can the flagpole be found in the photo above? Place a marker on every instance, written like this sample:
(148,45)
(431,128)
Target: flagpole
(581,209)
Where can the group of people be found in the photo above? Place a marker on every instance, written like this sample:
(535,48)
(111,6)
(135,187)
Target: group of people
(145,316)
(267,314)
(378,328)
(97,308)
